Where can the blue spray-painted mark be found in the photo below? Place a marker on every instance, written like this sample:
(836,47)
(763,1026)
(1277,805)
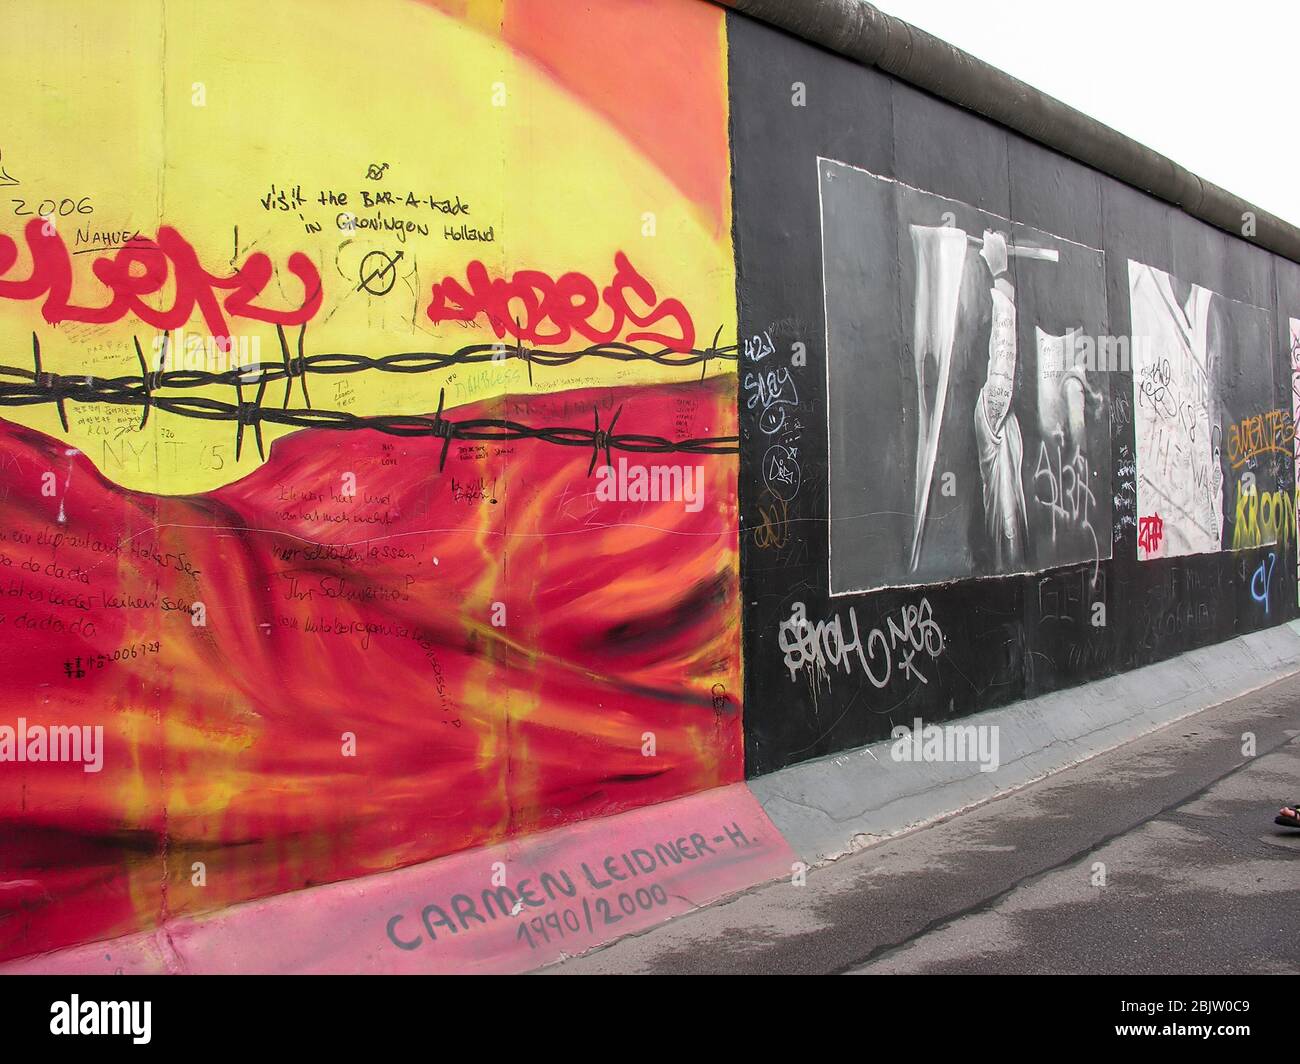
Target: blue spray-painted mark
(1261,582)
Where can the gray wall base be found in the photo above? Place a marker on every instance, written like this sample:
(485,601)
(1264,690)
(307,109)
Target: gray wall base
(836,805)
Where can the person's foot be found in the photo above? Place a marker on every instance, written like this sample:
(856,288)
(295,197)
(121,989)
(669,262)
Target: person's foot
(1289,817)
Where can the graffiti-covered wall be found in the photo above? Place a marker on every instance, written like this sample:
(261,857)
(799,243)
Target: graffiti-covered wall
(1007,424)
(368,464)
(429,422)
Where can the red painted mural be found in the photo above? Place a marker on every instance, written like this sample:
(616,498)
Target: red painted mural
(368,498)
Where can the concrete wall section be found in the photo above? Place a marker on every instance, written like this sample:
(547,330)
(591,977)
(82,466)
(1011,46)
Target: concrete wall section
(1008,425)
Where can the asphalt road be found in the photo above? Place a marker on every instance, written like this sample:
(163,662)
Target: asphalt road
(1160,857)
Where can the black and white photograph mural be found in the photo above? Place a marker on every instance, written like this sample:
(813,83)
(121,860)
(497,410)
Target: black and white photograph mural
(1210,436)
(967,375)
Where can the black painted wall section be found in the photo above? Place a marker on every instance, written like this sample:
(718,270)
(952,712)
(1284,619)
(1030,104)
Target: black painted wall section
(1002,638)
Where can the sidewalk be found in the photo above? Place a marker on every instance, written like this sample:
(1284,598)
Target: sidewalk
(1198,878)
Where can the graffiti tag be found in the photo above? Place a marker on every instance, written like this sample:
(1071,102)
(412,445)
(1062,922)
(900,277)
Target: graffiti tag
(535,307)
(142,268)
(1151,533)
(823,645)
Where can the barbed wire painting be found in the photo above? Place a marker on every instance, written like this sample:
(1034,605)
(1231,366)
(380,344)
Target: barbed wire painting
(365,476)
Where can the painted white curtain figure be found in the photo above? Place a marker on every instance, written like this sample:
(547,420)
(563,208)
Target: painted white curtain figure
(1180,475)
(940,264)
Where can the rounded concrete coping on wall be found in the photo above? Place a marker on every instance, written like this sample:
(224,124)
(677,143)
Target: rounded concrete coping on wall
(862,32)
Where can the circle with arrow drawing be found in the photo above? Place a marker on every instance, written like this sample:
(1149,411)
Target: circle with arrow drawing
(379,273)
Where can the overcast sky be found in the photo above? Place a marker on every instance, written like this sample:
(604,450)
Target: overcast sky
(1211,85)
